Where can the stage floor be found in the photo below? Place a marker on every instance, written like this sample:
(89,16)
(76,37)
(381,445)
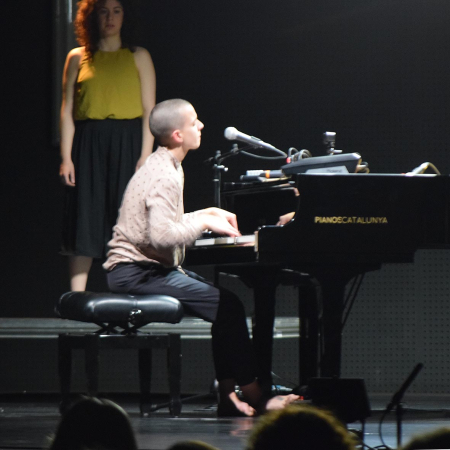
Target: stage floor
(27,421)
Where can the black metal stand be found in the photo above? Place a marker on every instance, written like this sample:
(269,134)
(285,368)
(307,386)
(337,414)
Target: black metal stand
(397,398)
(218,169)
(399,417)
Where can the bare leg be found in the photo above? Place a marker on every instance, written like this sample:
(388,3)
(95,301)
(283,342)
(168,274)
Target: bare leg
(79,267)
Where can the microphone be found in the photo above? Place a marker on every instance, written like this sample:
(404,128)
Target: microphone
(235,135)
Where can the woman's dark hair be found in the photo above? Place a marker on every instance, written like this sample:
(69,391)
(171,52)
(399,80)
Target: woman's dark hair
(86,25)
(94,423)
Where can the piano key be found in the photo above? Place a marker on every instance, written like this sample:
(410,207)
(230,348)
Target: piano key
(225,240)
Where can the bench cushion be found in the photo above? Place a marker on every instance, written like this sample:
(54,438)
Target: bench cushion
(107,307)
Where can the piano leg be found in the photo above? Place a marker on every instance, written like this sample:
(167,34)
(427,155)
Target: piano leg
(309,315)
(333,281)
(264,289)
(333,291)
(264,281)
(309,299)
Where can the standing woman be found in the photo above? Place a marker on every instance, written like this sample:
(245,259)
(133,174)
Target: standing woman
(108,94)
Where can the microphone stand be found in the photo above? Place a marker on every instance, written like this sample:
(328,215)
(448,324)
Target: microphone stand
(396,401)
(217,177)
(218,169)
(399,416)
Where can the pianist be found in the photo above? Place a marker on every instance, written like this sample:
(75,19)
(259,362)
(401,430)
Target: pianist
(147,249)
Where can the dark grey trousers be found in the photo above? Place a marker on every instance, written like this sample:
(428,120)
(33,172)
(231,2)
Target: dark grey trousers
(232,349)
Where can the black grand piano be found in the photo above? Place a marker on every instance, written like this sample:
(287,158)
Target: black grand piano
(344,226)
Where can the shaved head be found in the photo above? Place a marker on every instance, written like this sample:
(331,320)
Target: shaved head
(166,117)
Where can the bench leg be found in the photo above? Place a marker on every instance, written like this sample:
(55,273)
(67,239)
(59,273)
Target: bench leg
(91,353)
(65,371)
(145,380)
(174,372)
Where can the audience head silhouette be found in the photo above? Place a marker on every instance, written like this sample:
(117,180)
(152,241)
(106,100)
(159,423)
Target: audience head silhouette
(192,445)
(94,424)
(439,438)
(300,427)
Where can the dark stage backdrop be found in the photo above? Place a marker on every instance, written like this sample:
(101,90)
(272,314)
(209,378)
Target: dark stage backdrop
(375,72)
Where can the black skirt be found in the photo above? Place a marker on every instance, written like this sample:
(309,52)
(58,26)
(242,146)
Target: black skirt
(104,153)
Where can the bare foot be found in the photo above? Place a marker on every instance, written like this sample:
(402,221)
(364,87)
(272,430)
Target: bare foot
(281,401)
(232,405)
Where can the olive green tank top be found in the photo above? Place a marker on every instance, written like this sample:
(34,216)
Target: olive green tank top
(108,87)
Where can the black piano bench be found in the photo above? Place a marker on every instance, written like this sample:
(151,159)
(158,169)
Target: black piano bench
(119,317)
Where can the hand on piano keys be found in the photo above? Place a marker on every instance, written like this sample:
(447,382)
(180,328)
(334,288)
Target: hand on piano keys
(285,218)
(220,221)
